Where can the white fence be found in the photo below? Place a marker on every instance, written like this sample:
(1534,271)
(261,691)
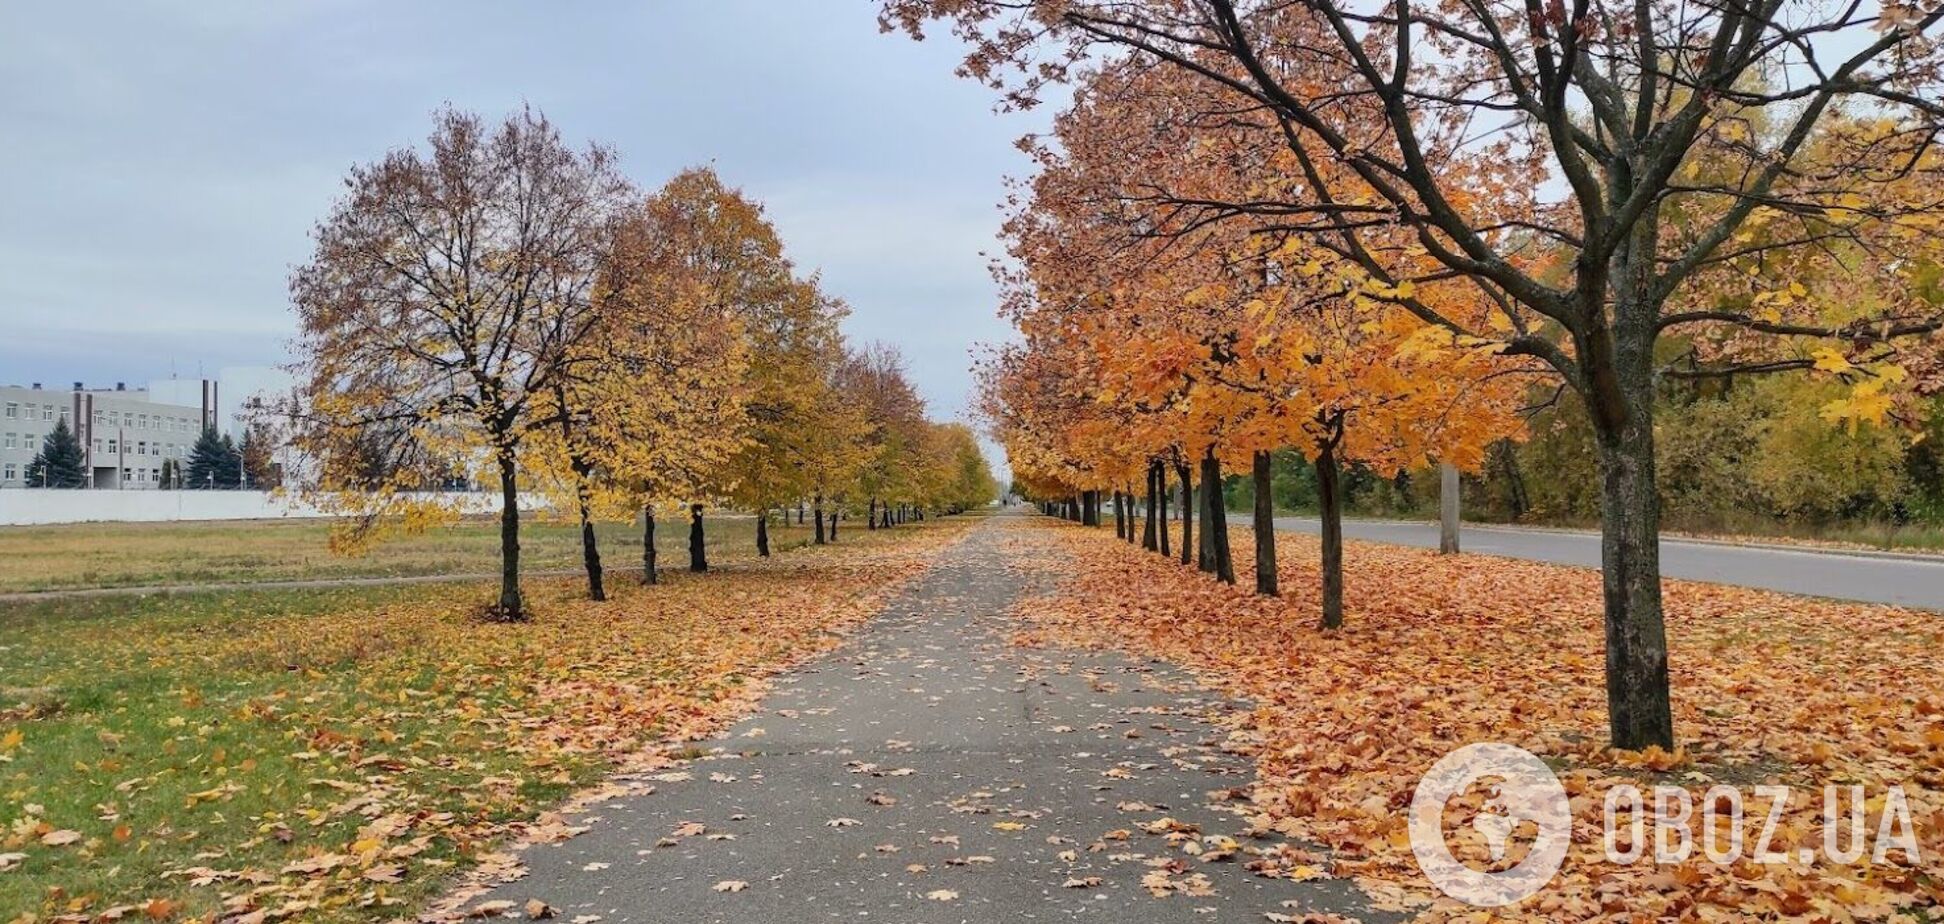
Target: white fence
(37,506)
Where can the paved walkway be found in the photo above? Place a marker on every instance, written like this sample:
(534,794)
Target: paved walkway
(1913,580)
(929,771)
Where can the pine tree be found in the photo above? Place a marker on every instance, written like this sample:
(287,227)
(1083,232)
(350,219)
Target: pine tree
(213,461)
(59,463)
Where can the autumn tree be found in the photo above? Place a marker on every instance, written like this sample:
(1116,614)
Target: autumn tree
(895,429)
(653,402)
(790,336)
(1466,140)
(451,290)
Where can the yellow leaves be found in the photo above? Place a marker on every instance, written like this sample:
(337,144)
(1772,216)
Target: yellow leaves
(1866,403)
(12,739)
(1830,360)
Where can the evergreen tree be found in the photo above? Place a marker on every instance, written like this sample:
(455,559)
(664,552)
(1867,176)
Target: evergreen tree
(170,475)
(59,463)
(213,461)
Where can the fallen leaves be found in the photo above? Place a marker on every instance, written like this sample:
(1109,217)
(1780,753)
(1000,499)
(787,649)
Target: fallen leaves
(345,759)
(1441,651)
(730,885)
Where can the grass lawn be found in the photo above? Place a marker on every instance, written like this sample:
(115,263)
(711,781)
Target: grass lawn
(337,753)
(136,554)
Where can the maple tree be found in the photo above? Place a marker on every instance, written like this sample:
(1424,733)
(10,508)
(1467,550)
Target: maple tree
(451,291)
(654,400)
(1540,153)
(1217,343)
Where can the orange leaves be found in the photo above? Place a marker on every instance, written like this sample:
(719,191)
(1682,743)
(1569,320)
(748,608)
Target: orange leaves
(1441,651)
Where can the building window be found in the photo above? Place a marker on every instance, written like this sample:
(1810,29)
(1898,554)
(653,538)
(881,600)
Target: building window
(113,448)
(13,409)
(10,441)
(7,472)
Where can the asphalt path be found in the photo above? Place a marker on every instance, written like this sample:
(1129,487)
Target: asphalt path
(1901,580)
(930,771)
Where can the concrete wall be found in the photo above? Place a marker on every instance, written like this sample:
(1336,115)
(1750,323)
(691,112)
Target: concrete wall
(34,506)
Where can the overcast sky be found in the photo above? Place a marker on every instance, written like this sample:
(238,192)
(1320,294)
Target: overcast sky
(161,164)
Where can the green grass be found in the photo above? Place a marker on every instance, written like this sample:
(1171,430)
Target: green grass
(243,730)
(141,554)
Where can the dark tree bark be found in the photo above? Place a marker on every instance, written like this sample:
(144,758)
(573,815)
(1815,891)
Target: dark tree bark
(511,608)
(1187,510)
(698,554)
(590,552)
(835,513)
(1120,521)
(1215,520)
(817,508)
(1265,527)
(870,515)
(762,533)
(1329,495)
(1148,540)
(648,575)
(799,512)
(1161,498)
(1090,508)
(1639,712)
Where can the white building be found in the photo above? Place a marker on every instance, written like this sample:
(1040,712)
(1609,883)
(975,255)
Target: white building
(125,434)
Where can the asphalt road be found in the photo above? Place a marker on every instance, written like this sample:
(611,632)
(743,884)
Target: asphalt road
(1902,581)
(928,771)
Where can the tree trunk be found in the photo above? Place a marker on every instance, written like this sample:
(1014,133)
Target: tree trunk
(1638,710)
(1215,520)
(1090,508)
(799,511)
(1329,496)
(510,605)
(817,508)
(698,555)
(762,533)
(834,513)
(648,575)
(1161,510)
(1120,521)
(870,516)
(1447,509)
(1265,528)
(590,552)
(1148,539)
(1187,510)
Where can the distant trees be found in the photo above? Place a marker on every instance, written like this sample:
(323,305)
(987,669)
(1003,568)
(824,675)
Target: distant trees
(499,305)
(59,463)
(213,462)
